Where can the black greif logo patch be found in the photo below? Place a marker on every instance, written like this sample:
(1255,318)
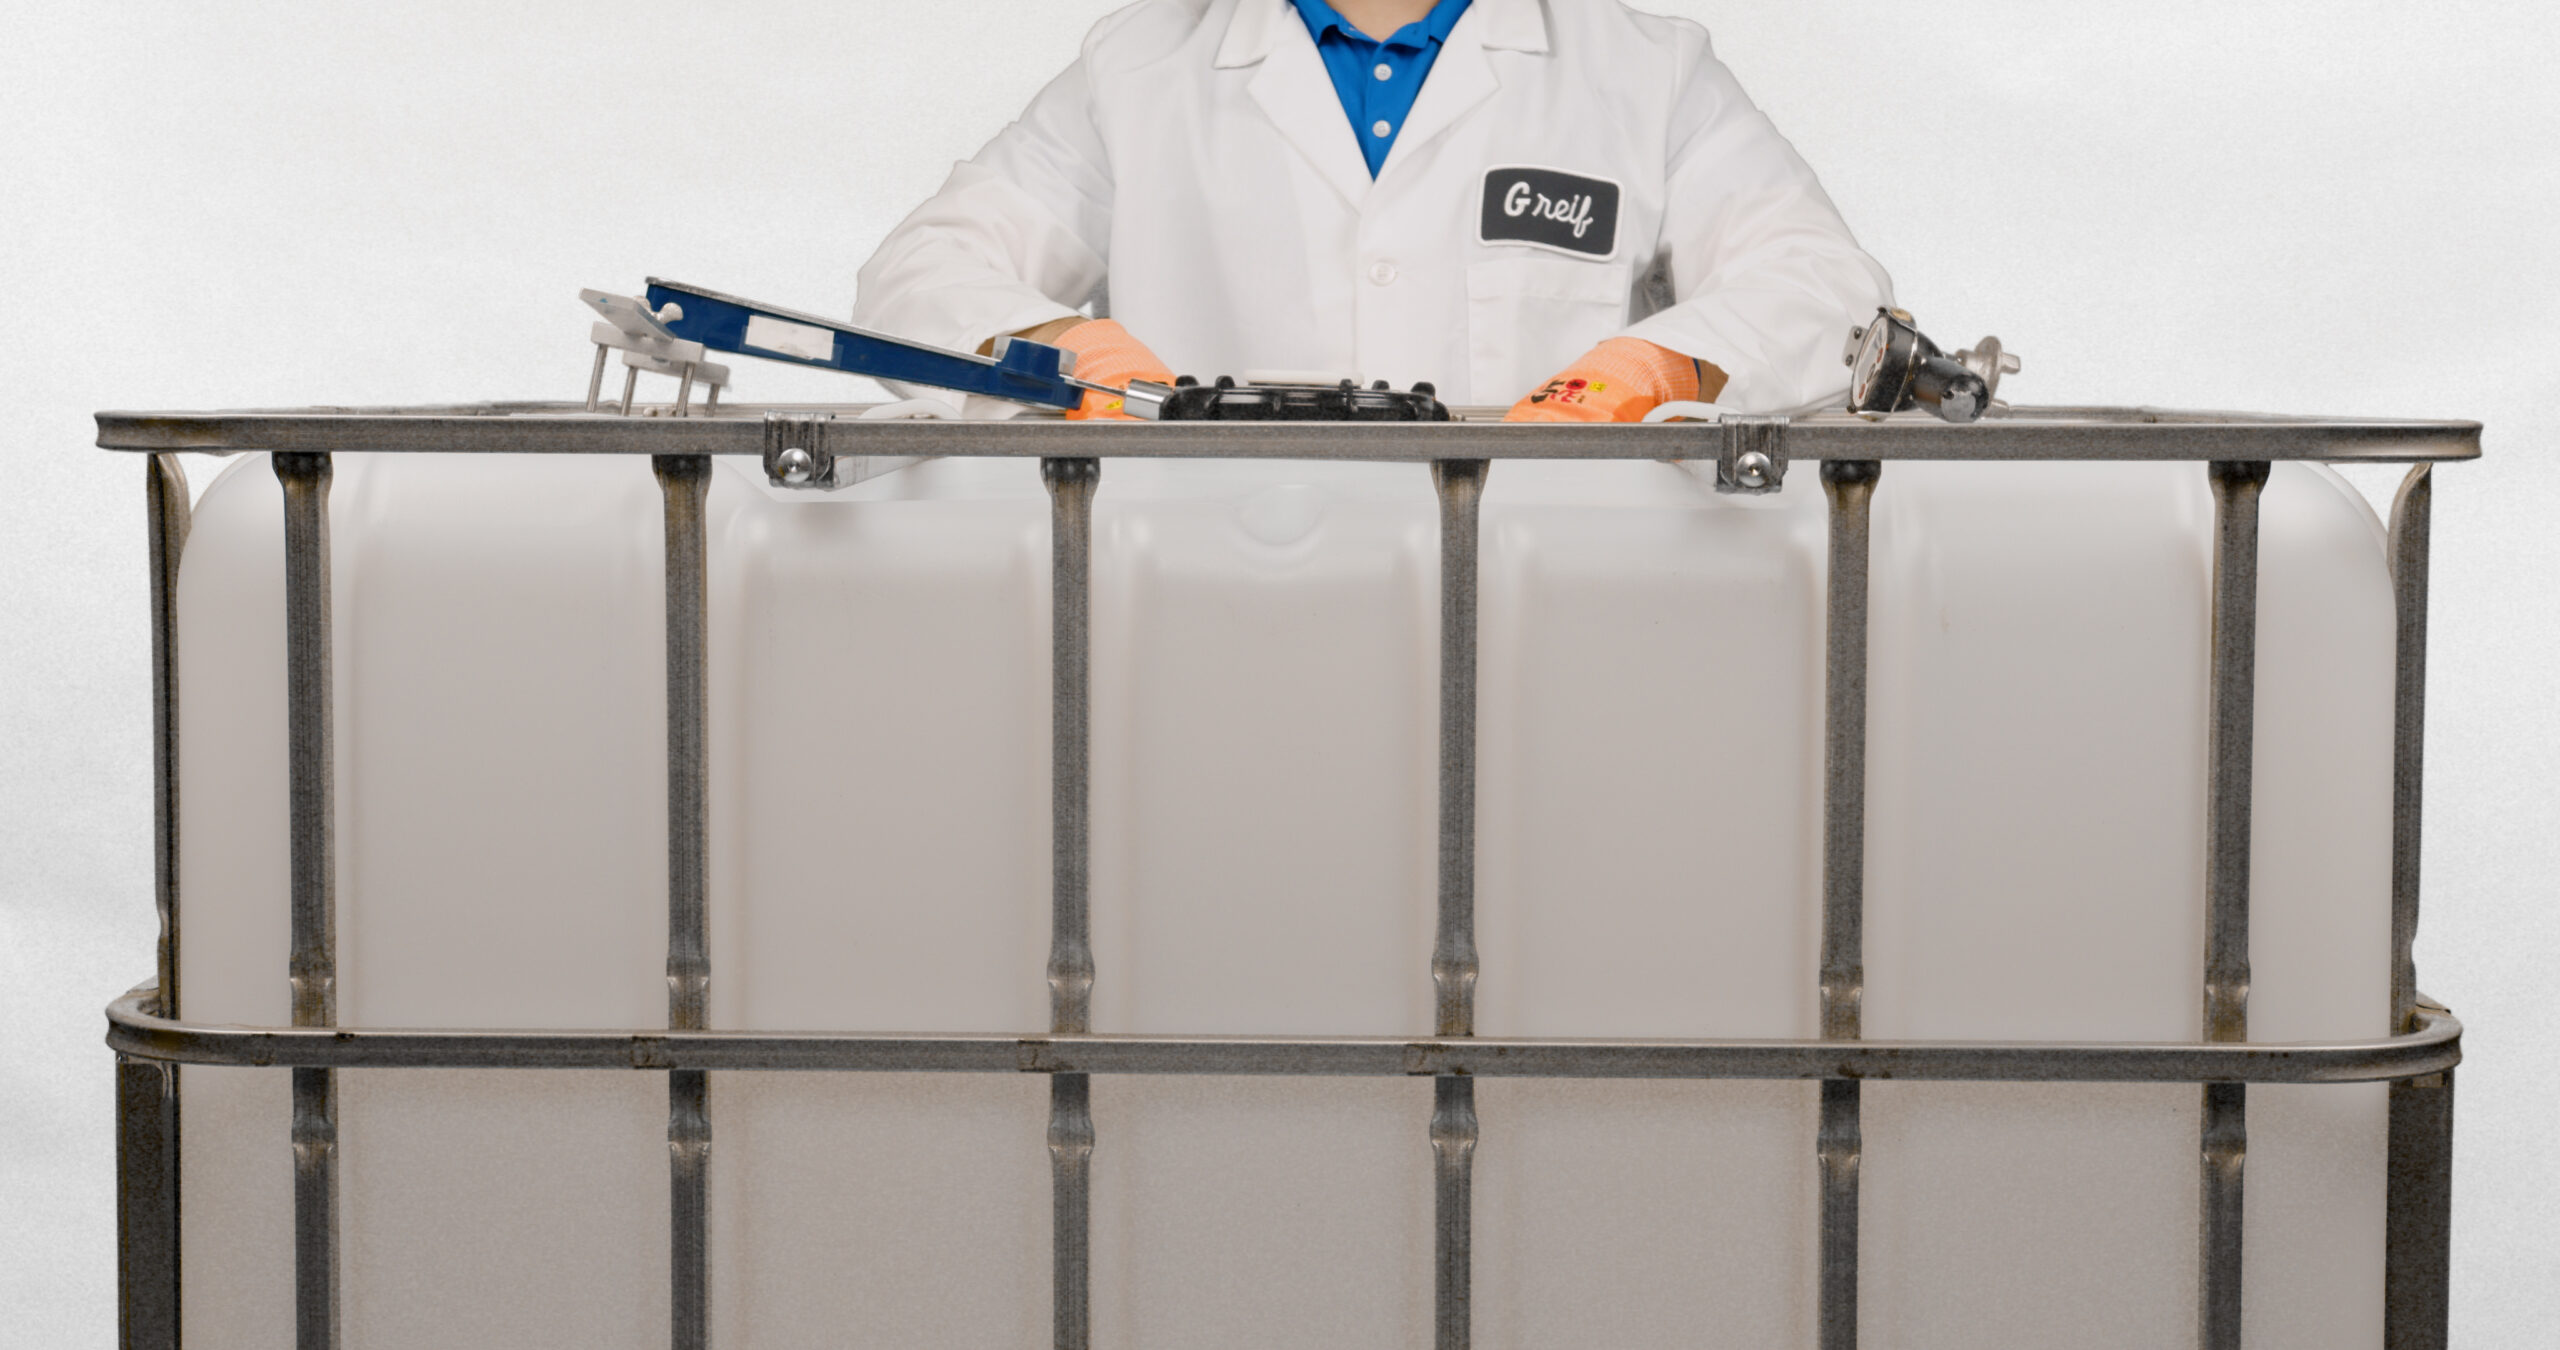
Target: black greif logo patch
(1548,208)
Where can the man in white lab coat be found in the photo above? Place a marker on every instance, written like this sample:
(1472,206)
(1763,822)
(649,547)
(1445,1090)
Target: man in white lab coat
(1560,202)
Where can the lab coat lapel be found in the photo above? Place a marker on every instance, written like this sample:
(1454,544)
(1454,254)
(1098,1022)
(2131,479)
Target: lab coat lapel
(1297,93)
(1463,76)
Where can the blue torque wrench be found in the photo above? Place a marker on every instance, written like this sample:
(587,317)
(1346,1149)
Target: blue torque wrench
(1020,371)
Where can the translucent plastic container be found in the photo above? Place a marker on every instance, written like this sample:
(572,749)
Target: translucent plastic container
(1264,724)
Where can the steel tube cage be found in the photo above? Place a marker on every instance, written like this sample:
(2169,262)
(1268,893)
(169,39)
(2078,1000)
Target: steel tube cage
(684,482)
(1071,484)
(152,1040)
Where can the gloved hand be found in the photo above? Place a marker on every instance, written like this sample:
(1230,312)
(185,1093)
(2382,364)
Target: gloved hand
(1107,354)
(1620,380)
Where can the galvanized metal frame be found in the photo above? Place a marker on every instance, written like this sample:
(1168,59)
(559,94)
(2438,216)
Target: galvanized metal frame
(147,1120)
(2230,741)
(1850,484)
(1454,964)
(2417,1279)
(684,481)
(2150,434)
(311,813)
(2433,1046)
(1071,484)
(152,1040)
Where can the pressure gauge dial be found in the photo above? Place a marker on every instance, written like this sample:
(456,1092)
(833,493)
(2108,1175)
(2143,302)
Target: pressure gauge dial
(1893,366)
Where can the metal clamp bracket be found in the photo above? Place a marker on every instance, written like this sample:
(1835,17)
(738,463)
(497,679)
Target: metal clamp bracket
(797,454)
(641,334)
(1753,457)
(795,450)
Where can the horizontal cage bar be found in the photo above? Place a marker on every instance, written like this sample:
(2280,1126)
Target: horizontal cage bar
(2022,434)
(2434,1046)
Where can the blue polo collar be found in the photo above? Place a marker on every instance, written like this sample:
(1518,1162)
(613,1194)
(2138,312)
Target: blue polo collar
(1378,81)
(1433,27)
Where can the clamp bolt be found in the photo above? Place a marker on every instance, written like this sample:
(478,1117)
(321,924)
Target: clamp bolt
(1751,470)
(794,466)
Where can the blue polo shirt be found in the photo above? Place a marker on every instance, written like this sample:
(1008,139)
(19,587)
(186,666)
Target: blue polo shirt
(1378,81)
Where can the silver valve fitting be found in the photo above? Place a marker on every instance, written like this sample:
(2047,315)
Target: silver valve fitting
(1894,366)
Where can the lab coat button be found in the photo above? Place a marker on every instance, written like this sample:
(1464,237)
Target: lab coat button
(1382,273)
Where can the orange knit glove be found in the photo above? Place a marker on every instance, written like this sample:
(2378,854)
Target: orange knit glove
(1620,380)
(1106,354)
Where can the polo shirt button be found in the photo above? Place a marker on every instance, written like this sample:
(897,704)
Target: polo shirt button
(1382,273)
(1385,71)
(1381,130)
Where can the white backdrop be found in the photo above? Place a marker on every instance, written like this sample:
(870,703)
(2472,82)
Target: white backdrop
(2294,205)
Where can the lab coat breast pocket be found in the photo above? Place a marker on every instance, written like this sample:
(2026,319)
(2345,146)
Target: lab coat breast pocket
(1527,318)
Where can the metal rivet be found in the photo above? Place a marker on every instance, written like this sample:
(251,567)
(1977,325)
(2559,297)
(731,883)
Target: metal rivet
(1751,469)
(794,466)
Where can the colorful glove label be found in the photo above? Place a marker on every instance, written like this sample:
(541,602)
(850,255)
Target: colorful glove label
(1567,391)
(1550,209)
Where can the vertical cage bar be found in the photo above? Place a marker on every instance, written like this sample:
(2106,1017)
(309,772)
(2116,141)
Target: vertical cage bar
(2230,747)
(1850,485)
(1071,1209)
(1453,1146)
(2417,1279)
(2417,1267)
(1071,484)
(315,1208)
(170,517)
(147,1244)
(1453,957)
(2225,1154)
(689,1208)
(684,482)
(1837,1150)
(2412,518)
(312,796)
(2230,752)
(146,1204)
(311,828)
(1460,484)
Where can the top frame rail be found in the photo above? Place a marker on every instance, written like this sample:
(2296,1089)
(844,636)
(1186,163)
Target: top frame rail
(2026,433)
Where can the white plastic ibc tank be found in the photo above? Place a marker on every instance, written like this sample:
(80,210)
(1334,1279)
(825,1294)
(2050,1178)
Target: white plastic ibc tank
(1264,730)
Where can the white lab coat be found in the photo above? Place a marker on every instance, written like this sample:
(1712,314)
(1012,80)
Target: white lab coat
(1194,176)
